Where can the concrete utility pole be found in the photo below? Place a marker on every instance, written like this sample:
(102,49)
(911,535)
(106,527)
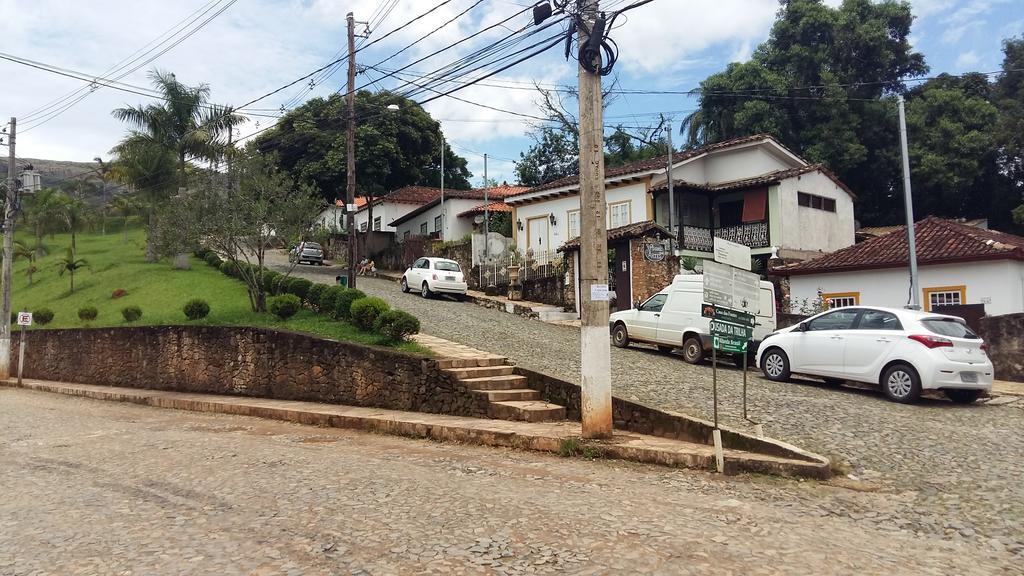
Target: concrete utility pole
(5,310)
(487,213)
(908,201)
(350,150)
(444,218)
(671,196)
(595,347)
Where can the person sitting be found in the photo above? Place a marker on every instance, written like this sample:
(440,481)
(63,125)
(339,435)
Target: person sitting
(361,269)
(371,269)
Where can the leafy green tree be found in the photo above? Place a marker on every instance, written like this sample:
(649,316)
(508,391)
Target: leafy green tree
(124,206)
(554,155)
(24,252)
(42,213)
(68,263)
(73,213)
(1008,96)
(394,148)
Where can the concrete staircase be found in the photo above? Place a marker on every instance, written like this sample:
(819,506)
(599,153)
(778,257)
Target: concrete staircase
(507,394)
(553,314)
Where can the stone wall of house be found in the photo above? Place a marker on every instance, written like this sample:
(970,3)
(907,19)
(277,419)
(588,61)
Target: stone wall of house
(649,277)
(246,362)
(1004,336)
(548,290)
(569,295)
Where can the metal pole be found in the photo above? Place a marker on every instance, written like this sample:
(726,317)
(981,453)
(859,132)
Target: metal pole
(595,348)
(444,220)
(5,275)
(744,385)
(671,198)
(21,354)
(714,381)
(908,201)
(350,150)
(487,213)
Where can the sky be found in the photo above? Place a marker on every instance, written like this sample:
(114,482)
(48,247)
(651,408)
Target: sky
(256,46)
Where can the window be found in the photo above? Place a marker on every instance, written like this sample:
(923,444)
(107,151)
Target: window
(362,227)
(447,266)
(618,214)
(654,303)
(841,299)
(730,213)
(816,202)
(949,327)
(838,320)
(573,218)
(423,229)
(422,263)
(376,223)
(944,296)
(437,224)
(879,320)
(405,236)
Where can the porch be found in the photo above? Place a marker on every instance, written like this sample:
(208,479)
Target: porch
(704,213)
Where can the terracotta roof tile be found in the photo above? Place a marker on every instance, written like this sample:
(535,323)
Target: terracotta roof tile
(492,207)
(635,230)
(938,241)
(769,178)
(410,195)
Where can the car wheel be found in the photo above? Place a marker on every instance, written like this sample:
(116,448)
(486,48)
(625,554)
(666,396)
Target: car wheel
(405,285)
(665,349)
(693,350)
(962,396)
(425,291)
(775,365)
(900,383)
(620,336)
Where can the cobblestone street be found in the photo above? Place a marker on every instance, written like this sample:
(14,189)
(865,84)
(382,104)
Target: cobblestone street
(960,465)
(93,487)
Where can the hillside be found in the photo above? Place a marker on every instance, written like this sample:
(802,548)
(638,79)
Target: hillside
(54,172)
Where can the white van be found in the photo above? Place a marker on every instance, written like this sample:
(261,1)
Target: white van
(672,319)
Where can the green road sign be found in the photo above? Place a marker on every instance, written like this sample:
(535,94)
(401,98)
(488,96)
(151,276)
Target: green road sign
(727,315)
(727,344)
(730,330)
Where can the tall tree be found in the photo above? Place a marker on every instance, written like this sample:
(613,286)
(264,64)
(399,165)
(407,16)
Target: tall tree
(42,211)
(1008,95)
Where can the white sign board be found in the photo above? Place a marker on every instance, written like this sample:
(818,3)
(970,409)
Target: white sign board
(351,208)
(24,318)
(732,253)
(731,287)
(598,292)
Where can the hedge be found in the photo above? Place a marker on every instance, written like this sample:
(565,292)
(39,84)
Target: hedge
(364,312)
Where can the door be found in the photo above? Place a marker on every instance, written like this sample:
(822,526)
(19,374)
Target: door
(623,286)
(681,313)
(415,274)
(869,344)
(537,235)
(645,325)
(819,350)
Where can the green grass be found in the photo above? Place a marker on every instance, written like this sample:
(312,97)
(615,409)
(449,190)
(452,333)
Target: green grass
(158,289)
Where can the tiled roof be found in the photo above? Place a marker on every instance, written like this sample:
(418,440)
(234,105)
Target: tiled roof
(504,191)
(635,230)
(938,241)
(360,202)
(475,194)
(655,163)
(410,195)
(769,178)
(491,207)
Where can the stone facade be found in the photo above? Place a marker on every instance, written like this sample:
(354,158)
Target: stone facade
(648,277)
(1004,336)
(246,362)
(548,290)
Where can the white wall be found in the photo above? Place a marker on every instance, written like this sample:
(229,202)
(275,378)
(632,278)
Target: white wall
(457,227)
(804,228)
(998,284)
(332,218)
(748,162)
(635,194)
(387,211)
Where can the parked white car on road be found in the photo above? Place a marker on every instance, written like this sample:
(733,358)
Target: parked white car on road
(903,351)
(435,276)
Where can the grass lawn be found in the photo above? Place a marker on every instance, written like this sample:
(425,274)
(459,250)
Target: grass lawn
(158,289)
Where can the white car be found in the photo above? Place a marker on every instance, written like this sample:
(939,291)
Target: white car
(435,276)
(903,351)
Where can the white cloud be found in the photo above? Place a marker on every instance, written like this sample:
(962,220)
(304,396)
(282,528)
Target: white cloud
(968,60)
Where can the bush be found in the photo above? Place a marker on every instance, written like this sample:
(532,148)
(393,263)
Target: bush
(364,312)
(228,268)
(316,291)
(329,299)
(397,325)
(201,253)
(284,307)
(88,313)
(131,313)
(299,287)
(343,306)
(213,260)
(119,293)
(196,308)
(270,280)
(42,316)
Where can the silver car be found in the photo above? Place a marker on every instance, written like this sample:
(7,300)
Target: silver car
(310,252)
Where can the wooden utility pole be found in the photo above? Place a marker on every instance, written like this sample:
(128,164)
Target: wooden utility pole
(5,276)
(487,212)
(595,347)
(350,149)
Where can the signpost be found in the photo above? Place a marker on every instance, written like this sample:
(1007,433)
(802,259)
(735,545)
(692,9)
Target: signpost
(24,319)
(732,253)
(729,287)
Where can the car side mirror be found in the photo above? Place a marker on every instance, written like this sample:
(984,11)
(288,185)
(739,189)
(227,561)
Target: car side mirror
(636,305)
(802,327)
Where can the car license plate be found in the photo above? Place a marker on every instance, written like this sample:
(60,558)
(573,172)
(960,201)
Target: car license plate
(450,278)
(969,376)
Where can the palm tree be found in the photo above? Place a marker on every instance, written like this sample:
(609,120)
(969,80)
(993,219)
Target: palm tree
(70,264)
(124,206)
(105,170)
(72,212)
(23,252)
(42,211)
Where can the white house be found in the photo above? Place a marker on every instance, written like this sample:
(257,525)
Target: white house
(957,264)
(750,190)
(459,208)
(333,218)
(392,206)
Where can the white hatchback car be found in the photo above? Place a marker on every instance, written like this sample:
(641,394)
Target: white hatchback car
(435,276)
(903,351)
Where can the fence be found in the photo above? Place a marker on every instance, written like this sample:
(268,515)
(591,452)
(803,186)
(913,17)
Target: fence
(495,270)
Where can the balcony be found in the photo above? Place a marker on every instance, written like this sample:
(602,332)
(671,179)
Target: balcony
(753,234)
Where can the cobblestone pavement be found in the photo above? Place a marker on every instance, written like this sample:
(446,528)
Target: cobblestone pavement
(963,465)
(95,487)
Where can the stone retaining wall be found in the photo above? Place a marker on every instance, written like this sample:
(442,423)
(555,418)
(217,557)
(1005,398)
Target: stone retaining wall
(1004,336)
(246,362)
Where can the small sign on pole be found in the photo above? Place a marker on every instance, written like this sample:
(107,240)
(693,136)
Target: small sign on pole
(24,318)
(731,253)
(599,292)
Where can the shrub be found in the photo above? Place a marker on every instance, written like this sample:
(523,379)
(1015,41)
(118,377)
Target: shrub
(228,267)
(131,313)
(364,312)
(316,291)
(196,308)
(299,287)
(329,299)
(213,260)
(88,313)
(284,307)
(270,280)
(343,306)
(397,325)
(42,316)
(119,293)
(201,253)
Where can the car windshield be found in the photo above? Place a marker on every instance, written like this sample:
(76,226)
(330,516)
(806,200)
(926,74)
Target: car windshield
(311,246)
(949,327)
(447,266)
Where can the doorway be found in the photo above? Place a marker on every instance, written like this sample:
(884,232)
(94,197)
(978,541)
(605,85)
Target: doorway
(620,271)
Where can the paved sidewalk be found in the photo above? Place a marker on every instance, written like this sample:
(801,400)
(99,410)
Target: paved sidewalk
(1007,388)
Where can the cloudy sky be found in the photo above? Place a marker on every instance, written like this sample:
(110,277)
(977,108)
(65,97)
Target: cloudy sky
(255,46)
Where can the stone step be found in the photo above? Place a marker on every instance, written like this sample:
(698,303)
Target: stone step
(526,410)
(481,361)
(556,316)
(507,395)
(510,382)
(479,371)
